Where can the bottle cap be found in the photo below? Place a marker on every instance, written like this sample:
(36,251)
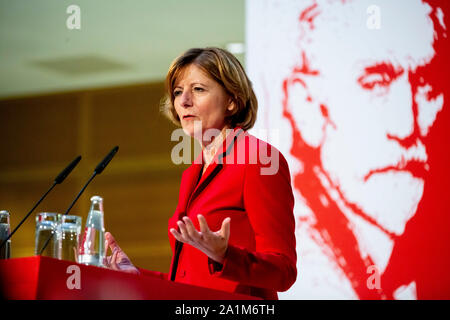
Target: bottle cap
(4,216)
(97,198)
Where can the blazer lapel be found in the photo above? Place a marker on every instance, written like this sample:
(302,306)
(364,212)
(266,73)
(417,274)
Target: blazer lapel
(192,189)
(217,164)
(188,185)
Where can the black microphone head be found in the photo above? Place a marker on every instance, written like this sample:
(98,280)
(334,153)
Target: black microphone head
(102,165)
(60,178)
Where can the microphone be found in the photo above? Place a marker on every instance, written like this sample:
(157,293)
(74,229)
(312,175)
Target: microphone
(60,178)
(102,165)
(99,169)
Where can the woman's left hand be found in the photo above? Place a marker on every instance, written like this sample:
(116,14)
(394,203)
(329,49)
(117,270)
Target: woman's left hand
(118,260)
(213,244)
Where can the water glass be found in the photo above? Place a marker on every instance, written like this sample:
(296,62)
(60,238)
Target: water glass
(48,226)
(70,236)
(5,230)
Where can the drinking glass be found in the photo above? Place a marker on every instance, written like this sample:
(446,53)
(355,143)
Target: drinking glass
(70,236)
(48,226)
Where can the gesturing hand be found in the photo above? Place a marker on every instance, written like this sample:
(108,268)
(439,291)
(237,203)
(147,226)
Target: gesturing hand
(213,244)
(118,260)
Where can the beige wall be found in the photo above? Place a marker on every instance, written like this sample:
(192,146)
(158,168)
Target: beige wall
(40,135)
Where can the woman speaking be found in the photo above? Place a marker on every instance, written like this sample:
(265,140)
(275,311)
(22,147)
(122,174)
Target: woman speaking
(233,228)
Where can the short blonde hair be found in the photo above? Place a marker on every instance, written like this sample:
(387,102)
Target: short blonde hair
(225,69)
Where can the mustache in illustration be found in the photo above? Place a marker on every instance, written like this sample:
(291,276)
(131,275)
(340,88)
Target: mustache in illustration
(417,168)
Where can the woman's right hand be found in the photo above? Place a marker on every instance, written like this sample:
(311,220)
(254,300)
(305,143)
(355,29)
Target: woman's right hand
(118,260)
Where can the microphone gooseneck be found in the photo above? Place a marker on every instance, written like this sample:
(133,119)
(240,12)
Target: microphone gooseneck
(59,178)
(99,169)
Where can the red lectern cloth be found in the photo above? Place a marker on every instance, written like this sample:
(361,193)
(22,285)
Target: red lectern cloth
(46,278)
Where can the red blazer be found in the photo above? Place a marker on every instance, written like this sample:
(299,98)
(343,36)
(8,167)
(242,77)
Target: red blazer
(261,256)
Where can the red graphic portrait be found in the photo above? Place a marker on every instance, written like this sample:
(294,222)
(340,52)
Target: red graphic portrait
(363,101)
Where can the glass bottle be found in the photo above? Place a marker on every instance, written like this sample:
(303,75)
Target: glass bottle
(5,230)
(92,246)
